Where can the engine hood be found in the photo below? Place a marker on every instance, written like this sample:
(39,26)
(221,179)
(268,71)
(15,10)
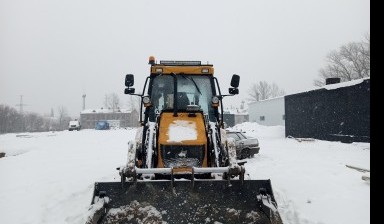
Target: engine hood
(182,130)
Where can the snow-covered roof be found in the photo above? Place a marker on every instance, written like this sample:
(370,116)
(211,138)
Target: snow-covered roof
(106,110)
(336,85)
(344,84)
(270,99)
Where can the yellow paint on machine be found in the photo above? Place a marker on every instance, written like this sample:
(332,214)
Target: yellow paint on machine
(192,70)
(167,120)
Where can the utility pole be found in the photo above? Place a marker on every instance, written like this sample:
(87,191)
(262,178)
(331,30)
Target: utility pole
(84,101)
(21,104)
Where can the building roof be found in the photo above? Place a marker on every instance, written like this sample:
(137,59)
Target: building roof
(336,85)
(270,99)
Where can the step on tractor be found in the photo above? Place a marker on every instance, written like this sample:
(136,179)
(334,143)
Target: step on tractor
(181,167)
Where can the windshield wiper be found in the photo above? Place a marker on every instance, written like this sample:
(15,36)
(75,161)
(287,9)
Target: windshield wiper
(190,78)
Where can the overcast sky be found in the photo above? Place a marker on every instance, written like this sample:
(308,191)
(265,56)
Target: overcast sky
(54,51)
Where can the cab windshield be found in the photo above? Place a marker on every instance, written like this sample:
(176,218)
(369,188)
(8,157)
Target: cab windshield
(191,90)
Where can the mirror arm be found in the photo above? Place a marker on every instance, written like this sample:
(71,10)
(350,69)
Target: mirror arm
(222,96)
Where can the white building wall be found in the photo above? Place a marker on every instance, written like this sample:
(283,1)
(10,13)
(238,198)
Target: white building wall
(272,110)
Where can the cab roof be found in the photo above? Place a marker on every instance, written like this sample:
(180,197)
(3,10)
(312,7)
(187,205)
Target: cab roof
(181,67)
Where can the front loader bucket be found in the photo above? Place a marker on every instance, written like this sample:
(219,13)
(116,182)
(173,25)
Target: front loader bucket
(182,201)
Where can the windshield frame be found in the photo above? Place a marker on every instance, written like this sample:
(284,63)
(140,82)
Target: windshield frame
(199,89)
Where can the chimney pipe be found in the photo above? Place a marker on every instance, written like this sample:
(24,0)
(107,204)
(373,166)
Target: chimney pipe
(332,81)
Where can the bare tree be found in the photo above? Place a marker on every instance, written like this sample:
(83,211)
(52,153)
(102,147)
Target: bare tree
(263,90)
(63,118)
(276,91)
(34,122)
(112,101)
(6,115)
(12,121)
(351,61)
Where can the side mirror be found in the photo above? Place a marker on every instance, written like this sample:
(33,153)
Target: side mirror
(129,80)
(234,83)
(235,80)
(129,91)
(233,91)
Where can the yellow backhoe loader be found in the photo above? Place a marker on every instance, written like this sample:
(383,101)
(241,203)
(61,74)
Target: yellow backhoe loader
(181,167)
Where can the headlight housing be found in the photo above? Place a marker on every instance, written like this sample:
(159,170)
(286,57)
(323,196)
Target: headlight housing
(146,101)
(215,101)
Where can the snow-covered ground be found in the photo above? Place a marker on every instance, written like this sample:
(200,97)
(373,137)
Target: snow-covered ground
(48,177)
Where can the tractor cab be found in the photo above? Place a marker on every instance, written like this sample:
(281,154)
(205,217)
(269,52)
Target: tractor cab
(181,86)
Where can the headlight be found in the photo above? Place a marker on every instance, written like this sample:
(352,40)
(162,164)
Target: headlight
(205,70)
(146,101)
(215,99)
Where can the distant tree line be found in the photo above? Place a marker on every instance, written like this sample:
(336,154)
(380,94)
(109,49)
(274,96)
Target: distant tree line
(12,121)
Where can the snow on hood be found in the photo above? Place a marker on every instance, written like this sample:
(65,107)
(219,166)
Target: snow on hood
(181,130)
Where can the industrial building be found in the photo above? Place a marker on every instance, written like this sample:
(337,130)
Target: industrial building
(334,112)
(118,118)
(268,112)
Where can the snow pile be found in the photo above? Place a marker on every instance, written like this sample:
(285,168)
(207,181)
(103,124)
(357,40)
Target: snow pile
(254,129)
(139,212)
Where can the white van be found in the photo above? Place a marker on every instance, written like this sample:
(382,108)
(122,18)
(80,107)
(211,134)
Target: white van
(74,125)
